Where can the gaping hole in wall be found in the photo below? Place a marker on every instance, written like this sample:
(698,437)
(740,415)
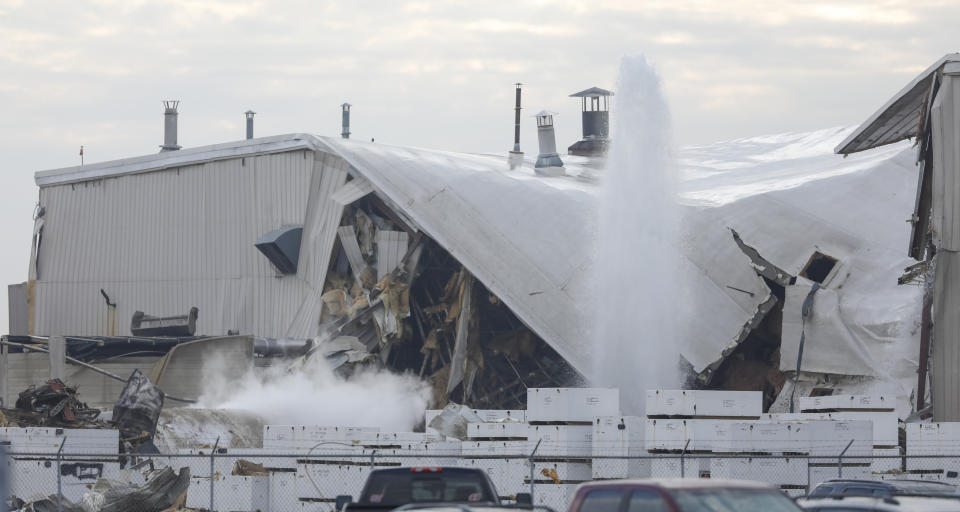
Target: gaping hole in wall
(755,364)
(416,308)
(818,267)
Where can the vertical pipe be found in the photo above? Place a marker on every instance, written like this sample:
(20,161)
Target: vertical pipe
(59,478)
(249,114)
(924,342)
(516,121)
(213,454)
(345,132)
(170,126)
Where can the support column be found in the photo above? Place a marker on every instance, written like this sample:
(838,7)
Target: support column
(58,352)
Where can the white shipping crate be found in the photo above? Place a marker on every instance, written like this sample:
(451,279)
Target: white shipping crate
(200,466)
(571,405)
(704,403)
(502,430)
(618,435)
(820,474)
(566,472)
(886,424)
(668,434)
(574,441)
(489,448)
(842,402)
(772,470)
(74,440)
(35,479)
(669,467)
(507,475)
(327,481)
(605,469)
(283,491)
(497,415)
(231,493)
(933,438)
(761,437)
(279,437)
(829,438)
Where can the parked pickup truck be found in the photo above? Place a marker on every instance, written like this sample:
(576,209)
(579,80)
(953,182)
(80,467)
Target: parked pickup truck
(387,489)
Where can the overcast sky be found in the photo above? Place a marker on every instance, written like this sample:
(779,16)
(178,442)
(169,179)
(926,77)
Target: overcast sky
(434,74)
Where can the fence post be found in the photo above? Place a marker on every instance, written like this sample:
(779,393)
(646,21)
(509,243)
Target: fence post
(213,454)
(4,475)
(808,473)
(682,454)
(840,460)
(373,460)
(59,477)
(533,470)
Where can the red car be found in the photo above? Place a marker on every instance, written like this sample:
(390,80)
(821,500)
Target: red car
(679,495)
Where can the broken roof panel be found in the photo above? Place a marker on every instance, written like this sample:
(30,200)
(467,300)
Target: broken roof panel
(899,118)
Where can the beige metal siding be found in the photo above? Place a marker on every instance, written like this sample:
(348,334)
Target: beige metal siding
(164,241)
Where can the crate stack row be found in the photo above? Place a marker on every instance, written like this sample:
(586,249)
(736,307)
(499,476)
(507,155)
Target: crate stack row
(322,462)
(728,436)
(930,451)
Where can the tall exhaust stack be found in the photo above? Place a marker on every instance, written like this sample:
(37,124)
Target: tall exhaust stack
(170,126)
(515,157)
(249,115)
(345,132)
(548,162)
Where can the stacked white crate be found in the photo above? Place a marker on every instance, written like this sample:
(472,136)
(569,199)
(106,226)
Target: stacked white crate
(619,436)
(35,476)
(879,409)
(499,446)
(562,421)
(693,421)
(231,493)
(925,441)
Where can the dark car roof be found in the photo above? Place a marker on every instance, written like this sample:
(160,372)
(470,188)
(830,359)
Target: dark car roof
(897,486)
(680,483)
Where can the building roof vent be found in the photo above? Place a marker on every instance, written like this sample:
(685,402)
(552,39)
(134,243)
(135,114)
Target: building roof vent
(170,126)
(282,248)
(596,122)
(249,114)
(548,162)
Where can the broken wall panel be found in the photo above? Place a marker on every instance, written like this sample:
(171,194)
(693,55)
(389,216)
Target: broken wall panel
(391,247)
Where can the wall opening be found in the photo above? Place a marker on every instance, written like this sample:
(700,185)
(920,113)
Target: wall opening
(818,267)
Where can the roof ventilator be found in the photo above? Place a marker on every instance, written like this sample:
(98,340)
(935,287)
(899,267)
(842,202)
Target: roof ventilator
(282,248)
(818,267)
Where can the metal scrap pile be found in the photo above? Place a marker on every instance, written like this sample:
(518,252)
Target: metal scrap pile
(52,404)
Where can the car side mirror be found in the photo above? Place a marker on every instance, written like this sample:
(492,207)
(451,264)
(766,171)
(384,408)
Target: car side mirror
(342,501)
(524,498)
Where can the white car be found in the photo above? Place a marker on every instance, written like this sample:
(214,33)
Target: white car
(884,504)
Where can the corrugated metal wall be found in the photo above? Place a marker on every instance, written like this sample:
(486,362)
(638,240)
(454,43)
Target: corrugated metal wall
(945,351)
(162,242)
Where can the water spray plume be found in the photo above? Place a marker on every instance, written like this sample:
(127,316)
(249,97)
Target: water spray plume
(638,278)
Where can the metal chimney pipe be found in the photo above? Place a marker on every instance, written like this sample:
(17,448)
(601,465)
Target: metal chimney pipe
(249,115)
(345,132)
(548,161)
(516,121)
(170,126)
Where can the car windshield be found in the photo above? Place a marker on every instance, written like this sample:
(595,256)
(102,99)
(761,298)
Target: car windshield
(732,500)
(402,488)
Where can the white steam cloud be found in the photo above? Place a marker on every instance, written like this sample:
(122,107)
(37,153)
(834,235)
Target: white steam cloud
(315,395)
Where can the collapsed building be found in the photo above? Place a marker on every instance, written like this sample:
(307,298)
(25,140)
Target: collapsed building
(470,274)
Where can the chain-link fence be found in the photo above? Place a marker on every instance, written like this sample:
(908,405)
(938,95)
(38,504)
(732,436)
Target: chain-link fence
(228,479)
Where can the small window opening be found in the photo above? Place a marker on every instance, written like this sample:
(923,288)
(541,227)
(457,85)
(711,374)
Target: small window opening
(818,267)
(821,392)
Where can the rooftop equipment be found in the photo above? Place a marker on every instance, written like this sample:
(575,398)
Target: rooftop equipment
(548,161)
(143,324)
(515,157)
(170,126)
(249,115)
(596,122)
(282,248)
(345,132)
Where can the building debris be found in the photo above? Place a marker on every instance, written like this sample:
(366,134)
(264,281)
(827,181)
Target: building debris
(143,324)
(137,411)
(54,404)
